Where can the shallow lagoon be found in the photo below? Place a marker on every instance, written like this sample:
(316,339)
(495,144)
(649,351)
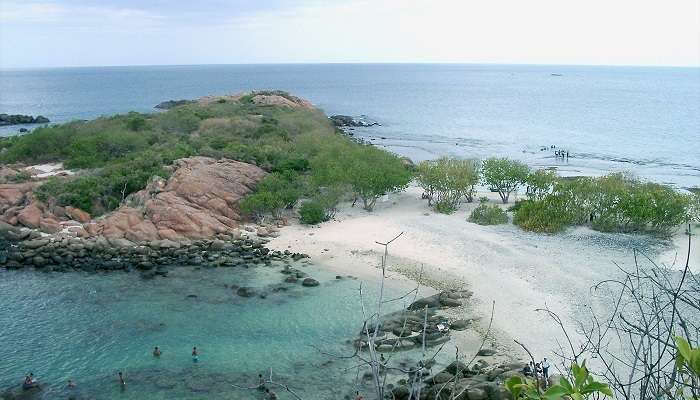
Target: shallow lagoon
(88,327)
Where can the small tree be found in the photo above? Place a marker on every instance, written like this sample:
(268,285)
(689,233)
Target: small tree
(540,183)
(373,172)
(446,180)
(504,175)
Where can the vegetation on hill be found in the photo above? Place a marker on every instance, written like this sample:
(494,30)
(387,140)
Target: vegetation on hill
(116,156)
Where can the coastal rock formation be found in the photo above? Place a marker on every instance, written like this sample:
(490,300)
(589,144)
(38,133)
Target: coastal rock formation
(167,105)
(278,98)
(198,201)
(348,121)
(16,119)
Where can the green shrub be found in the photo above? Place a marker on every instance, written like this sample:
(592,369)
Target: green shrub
(369,171)
(612,203)
(274,192)
(312,212)
(19,177)
(261,203)
(486,214)
(446,180)
(503,175)
(136,123)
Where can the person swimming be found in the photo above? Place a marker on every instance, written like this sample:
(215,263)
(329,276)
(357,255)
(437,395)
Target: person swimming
(71,384)
(156,352)
(122,382)
(271,395)
(29,382)
(195,354)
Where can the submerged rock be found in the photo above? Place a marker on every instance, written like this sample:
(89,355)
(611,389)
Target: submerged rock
(309,282)
(246,291)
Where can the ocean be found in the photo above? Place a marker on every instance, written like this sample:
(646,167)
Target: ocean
(634,119)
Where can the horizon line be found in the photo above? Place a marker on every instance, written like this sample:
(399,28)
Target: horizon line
(689,66)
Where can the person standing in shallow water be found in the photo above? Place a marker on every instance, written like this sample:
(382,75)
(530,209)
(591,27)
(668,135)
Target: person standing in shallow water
(122,382)
(156,352)
(195,354)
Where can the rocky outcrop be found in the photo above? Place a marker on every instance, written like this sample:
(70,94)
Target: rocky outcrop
(198,201)
(278,98)
(348,121)
(167,105)
(16,119)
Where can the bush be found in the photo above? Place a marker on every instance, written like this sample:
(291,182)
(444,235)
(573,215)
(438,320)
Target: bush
(504,176)
(19,177)
(312,212)
(486,214)
(540,183)
(274,192)
(369,172)
(446,180)
(136,123)
(612,203)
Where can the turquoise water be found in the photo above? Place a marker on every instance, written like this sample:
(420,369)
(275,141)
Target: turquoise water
(88,327)
(638,119)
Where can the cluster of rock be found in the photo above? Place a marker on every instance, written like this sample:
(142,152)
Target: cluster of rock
(16,119)
(406,329)
(151,258)
(459,381)
(293,276)
(341,121)
(198,201)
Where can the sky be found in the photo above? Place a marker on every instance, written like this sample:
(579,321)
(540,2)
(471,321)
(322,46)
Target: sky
(52,33)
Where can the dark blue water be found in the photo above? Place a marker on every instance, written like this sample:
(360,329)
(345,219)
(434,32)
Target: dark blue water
(642,120)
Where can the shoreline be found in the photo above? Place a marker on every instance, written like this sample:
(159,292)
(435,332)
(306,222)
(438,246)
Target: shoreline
(517,270)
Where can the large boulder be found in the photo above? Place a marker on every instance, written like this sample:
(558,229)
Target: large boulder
(199,201)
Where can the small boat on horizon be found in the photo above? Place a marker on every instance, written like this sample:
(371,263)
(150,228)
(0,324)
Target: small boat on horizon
(556,74)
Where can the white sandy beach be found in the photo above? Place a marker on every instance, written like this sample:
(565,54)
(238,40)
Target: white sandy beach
(520,271)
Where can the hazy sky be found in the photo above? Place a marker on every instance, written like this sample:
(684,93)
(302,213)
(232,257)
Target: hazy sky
(110,32)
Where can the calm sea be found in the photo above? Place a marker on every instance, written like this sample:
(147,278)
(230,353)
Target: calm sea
(642,120)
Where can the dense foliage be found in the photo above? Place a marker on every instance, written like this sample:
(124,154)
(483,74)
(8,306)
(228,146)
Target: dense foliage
(581,385)
(369,172)
(488,214)
(312,212)
(504,176)
(117,155)
(446,180)
(612,203)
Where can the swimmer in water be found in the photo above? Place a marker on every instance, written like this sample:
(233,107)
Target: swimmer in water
(261,382)
(271,395)
(71,384)
(156,352)
(122,382)
(195,354)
